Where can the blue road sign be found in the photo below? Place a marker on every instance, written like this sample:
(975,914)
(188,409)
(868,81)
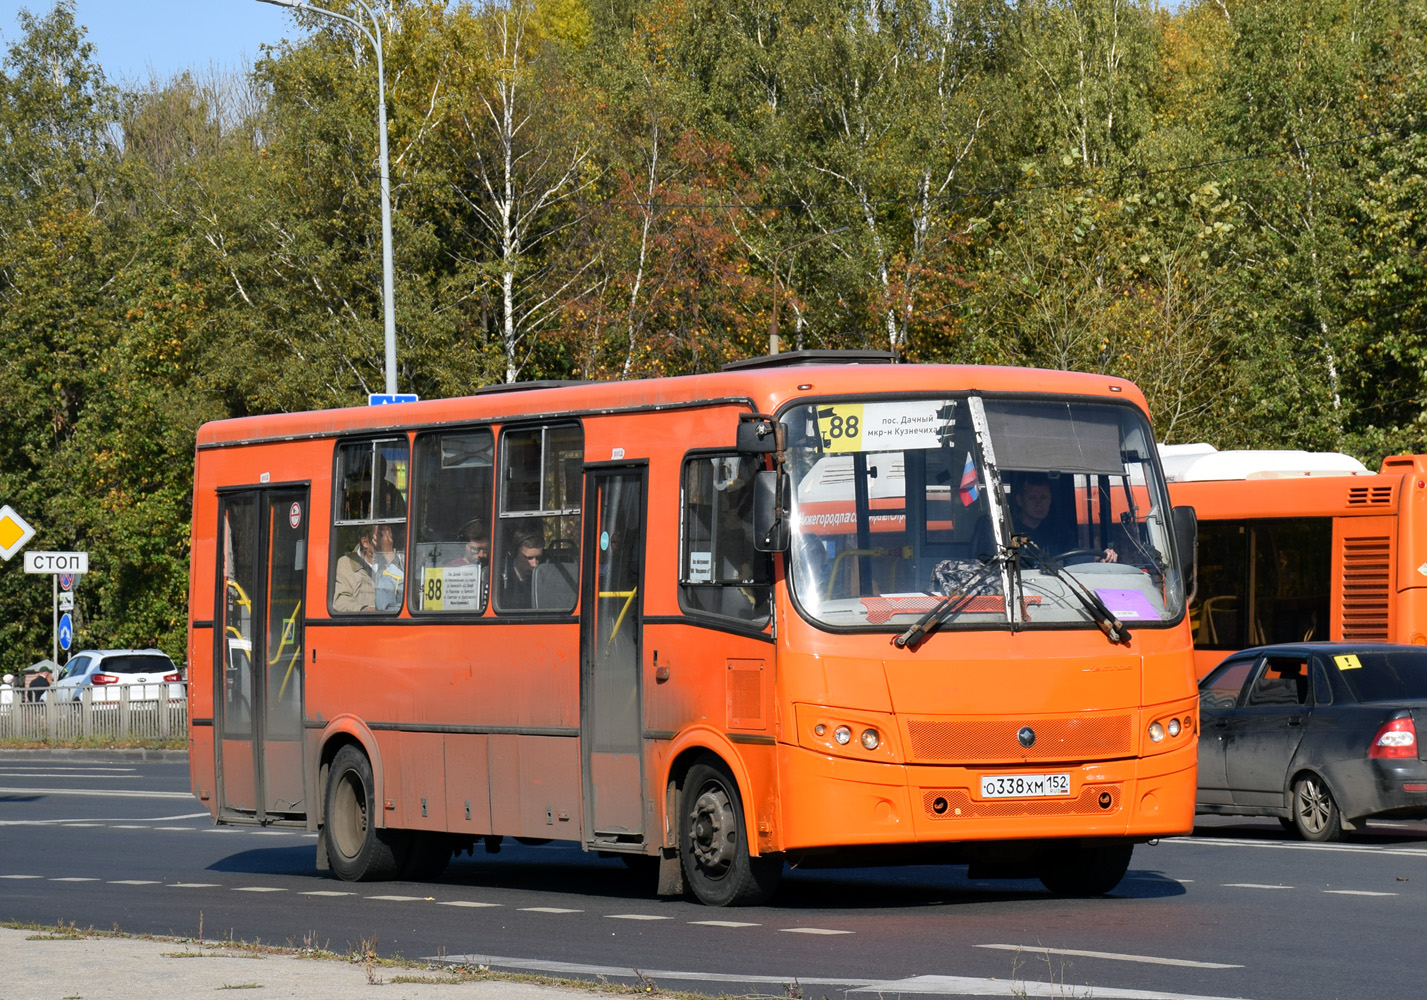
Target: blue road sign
(66,631)
(382,398)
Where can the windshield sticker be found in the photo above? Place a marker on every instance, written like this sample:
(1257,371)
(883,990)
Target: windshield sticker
(904,425)
(881,610)
(1128,605)
(1348,661)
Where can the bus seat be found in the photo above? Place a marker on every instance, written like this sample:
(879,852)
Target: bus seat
(553,586)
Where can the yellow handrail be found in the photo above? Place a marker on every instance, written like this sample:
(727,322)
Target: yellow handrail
(628,596)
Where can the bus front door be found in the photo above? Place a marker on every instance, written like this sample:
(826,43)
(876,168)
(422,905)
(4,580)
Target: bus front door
(611,713)
(263,569)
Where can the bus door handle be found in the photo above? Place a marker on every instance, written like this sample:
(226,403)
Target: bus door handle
(661,670)
(1295,720)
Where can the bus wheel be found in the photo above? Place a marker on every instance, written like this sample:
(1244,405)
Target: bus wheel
(713,844)
(1085,870)
(1315,814)
(356,849)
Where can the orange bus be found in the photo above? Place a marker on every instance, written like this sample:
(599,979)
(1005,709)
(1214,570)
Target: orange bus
(1297,546)
(712,624)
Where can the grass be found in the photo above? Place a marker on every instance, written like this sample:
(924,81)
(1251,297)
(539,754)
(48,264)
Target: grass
(94,743)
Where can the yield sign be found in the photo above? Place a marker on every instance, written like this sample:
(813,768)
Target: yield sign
(14,532)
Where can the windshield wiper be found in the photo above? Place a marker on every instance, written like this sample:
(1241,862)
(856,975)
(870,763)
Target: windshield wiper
(1113,628)
(949,605)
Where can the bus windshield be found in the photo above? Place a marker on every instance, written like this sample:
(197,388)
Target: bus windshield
(1029,512)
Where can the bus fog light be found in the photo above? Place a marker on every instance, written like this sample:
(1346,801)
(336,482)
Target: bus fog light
(1156,732)
(1173,727)
(842,734)
(870,739)
(820,729)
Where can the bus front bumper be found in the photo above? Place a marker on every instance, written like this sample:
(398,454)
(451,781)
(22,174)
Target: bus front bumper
(832,801)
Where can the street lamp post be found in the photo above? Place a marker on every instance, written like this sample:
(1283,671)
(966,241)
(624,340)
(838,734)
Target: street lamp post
(388,300)
(774,344)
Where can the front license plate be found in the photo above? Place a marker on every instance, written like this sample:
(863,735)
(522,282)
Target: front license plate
(1024,786)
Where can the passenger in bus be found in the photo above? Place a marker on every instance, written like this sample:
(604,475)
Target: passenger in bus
(390,569)
(477,541)
(516,576)
(354,586)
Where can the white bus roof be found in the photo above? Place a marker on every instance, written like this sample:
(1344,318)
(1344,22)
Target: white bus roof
(1190,463)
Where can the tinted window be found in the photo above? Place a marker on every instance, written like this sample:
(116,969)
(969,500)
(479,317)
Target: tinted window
(1384,675)
(136,664)
(1221,688)
(720,572)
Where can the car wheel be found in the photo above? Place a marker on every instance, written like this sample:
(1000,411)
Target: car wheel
(1315,814)
(356,849)
(713,844)
(1076,870)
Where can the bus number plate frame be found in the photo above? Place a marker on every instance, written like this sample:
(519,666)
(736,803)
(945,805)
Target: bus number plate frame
(1025,786)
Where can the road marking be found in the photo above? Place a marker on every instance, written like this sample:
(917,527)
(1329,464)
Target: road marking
(967,986)
(1111,955)
(79,826)
(179,829)
(135,881)
(399,899)
(949,985)
(547,909)
(74,878)
(100,793)
(21,876)
(130,826)
(1253,885)
(192,885)
(724,923)
(326,892)
(1283,845)
(257,888)
(811,930)
(1357,892)
(635,916)
(466,902)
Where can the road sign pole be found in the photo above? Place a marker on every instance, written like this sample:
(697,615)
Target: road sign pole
(55,578)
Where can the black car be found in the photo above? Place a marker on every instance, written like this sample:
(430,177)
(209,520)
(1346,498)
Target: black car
(1321,735)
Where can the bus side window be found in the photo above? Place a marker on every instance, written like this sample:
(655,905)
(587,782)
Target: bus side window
(537,543)
(451,522)
(368,542)
(720,572)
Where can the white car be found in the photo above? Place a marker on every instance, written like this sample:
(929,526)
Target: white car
(147,674)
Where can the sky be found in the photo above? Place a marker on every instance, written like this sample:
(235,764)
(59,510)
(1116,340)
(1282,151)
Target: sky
(136,39)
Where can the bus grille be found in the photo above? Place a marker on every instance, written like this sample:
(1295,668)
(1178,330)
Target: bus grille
(936,741)
(1367,587)
(957,803)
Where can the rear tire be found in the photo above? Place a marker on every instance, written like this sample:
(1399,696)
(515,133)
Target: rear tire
(1079,870)
(713,842)
(356,849)
(1315,814)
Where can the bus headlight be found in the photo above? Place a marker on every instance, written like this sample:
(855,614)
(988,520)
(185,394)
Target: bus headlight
(1156,732)
(1173,727)
(870,739)
(842,734)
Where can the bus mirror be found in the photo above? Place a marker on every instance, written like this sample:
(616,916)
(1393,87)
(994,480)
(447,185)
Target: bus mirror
(770,522)
(1186,538)
(757,434)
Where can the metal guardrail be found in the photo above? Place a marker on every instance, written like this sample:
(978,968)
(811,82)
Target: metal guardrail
(88,718)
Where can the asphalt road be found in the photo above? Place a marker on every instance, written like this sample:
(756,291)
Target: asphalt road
(1235,911)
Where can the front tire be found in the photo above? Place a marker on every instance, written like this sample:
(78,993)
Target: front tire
(713,842)
(1315,814)
(1085,870)
(356,849)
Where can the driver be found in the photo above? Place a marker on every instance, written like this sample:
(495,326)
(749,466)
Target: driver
(1032,502)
